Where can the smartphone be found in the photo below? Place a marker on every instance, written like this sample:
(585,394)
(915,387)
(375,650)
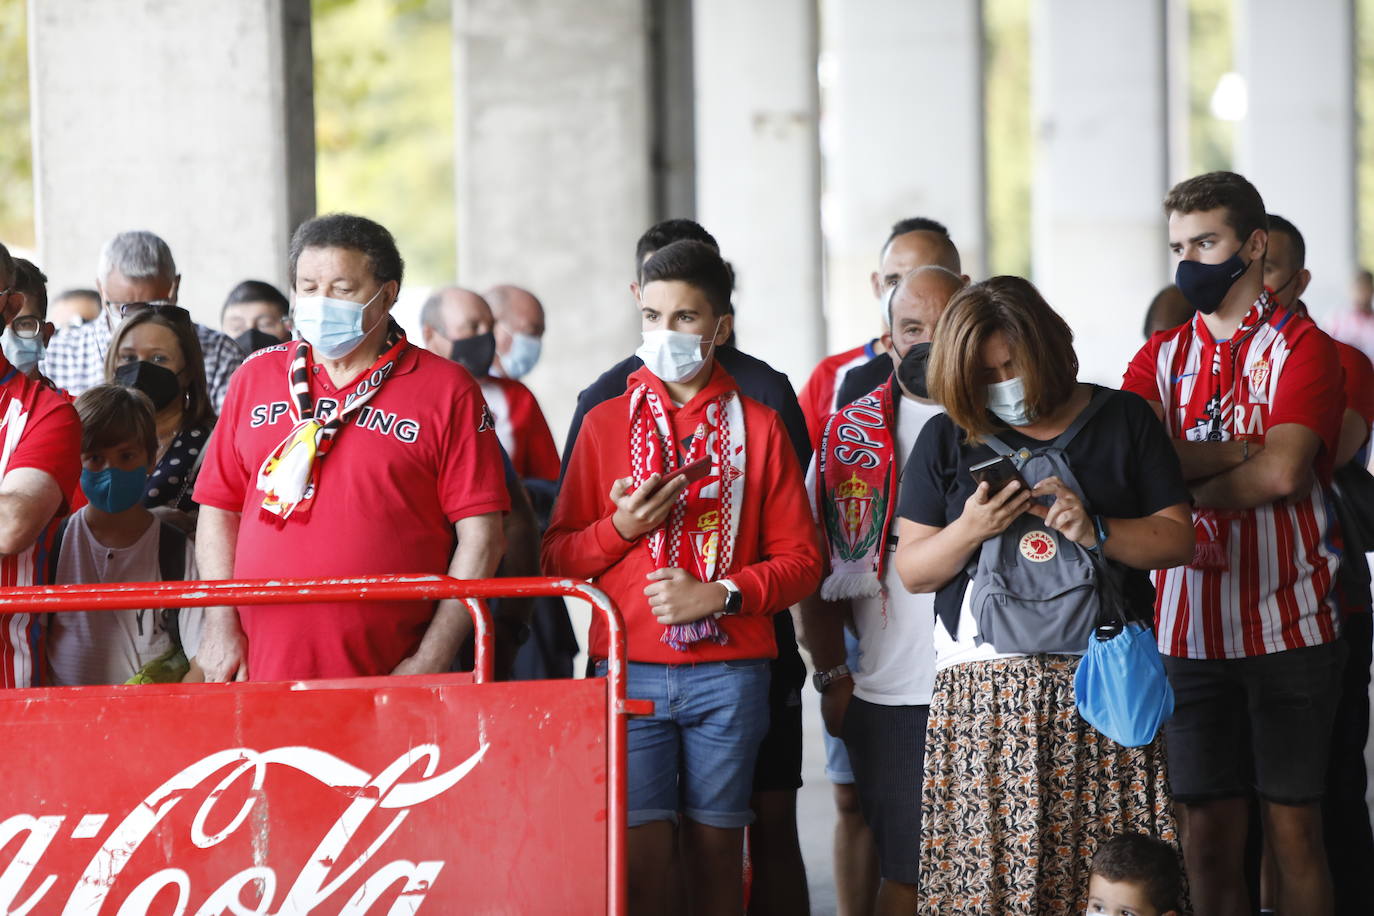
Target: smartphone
(996,473)
(692,472)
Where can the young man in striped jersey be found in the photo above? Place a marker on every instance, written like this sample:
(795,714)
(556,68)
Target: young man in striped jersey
(1251,392)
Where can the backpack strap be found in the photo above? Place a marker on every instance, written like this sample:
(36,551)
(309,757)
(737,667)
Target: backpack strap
(171,565)
(1000,448)
(1100,397)
(56,552)
(171,553)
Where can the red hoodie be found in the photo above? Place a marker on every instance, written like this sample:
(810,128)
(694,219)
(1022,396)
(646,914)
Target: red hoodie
(777,560)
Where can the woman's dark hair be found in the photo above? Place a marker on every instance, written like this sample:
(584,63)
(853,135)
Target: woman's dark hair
(1041,350)
(113,414)
(698,265)
(1143,860)
(198,409)
(354,233)
(257,291)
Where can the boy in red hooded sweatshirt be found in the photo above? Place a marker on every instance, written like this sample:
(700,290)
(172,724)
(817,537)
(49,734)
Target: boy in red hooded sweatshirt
(696,565)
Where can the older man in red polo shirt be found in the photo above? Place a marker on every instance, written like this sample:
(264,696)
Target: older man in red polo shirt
(349,452)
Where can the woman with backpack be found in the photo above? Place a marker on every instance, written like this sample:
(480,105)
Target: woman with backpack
(1076,482)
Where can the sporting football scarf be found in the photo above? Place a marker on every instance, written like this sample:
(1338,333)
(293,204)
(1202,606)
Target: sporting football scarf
(704,522)
(290,476)
(856,488)
(1212,527)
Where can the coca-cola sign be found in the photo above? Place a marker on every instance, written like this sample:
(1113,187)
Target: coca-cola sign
(423,798)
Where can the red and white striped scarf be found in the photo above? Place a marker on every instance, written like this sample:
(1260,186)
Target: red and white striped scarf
(704,522)
(290,475)
(1211,527)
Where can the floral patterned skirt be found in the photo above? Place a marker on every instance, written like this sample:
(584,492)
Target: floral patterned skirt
(1019,790)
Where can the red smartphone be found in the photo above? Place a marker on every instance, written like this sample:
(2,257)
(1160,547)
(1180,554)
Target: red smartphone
(692,472)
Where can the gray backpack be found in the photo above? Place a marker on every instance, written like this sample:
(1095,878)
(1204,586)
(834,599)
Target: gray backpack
(1032,589)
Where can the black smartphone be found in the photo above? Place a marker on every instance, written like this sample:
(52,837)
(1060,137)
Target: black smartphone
(996,473)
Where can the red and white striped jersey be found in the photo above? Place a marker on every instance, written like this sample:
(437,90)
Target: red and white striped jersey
(1261,579)
(822,388)
(38,429)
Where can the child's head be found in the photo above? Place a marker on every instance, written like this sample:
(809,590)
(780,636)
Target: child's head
(118,445)
(1135,875)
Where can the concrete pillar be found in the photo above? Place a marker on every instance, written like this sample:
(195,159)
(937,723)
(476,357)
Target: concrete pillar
(1099,240)
(196,123)
(552,142)
(1297,141)
(758,169)
(903,137)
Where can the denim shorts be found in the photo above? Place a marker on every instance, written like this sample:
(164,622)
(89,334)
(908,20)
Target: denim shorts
(696,753)
(1259,724)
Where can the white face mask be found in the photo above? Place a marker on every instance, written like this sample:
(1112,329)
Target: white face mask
(332,327)
(524,353)
(672,355)
(1008,401)
(22,353)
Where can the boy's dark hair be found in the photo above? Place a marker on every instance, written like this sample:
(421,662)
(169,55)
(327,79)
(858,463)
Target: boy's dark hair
(1226,190)
(112,414)
(661,235)
(33,283)
(256,291)
(1299,244)
(697,264)
(1144,860)
(353,233)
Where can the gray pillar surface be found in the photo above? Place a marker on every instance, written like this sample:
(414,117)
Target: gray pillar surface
(552,146)
(1297,142)
(758,170)
(895,146)
(1099,240)
(196,124)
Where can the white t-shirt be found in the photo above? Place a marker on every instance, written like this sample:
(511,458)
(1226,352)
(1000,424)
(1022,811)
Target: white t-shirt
(896,657)
(108,647)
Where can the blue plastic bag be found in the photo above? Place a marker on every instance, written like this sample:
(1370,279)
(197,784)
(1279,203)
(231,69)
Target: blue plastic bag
(1121,687)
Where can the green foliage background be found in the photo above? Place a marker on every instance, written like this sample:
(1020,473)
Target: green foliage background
(384,121)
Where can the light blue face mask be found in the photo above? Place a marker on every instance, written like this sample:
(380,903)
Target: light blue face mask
(1008,401)
(524,353)
(22,352)
(332,327)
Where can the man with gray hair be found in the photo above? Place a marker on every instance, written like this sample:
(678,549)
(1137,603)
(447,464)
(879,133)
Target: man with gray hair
(519,329)
(135,271)
(40,462)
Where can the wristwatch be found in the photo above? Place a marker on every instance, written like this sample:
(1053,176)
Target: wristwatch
(823,679)
(733,599)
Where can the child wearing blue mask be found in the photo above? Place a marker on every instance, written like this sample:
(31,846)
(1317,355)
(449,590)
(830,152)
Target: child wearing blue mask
(116,539)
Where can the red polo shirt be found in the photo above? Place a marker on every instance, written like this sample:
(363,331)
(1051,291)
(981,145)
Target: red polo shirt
(421,455)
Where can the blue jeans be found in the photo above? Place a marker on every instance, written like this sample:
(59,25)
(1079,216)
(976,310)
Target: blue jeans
(696,753)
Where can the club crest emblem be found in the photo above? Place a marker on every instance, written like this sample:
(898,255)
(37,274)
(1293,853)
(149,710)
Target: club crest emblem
(1039,547)
(1259,376)
(704,542)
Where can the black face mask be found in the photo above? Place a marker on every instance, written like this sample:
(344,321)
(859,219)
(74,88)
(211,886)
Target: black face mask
(159,383)
(252,340)
(1206,285)
(911,371)
(475,353)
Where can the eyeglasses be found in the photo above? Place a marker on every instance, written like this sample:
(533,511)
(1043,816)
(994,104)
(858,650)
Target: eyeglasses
(157,306)
(27,326)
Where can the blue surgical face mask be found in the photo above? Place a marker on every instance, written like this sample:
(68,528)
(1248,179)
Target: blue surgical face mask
(524,353)
(1008,401)
(22,352)
(113,490)
(332,327)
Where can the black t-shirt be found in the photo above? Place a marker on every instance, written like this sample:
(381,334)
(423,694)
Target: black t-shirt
(1123,460)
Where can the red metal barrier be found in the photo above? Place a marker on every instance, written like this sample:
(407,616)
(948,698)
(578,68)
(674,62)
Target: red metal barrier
(539,824)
